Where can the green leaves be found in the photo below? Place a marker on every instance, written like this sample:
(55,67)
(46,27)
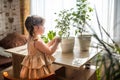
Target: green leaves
(49,37)
(90,9)
(81,0)
(76,17)
(81,15)
(45,39)
(63,23)
(109,59)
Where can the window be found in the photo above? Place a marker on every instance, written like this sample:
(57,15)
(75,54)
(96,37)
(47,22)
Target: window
(46,9)
(105,11)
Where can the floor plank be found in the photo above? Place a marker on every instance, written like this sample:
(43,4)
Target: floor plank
(6,69)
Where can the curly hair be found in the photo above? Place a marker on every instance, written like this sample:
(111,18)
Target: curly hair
(32,21)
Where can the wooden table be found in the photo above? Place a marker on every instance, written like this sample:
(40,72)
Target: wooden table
(75,59)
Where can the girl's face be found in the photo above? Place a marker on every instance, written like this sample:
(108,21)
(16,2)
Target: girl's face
(39,29)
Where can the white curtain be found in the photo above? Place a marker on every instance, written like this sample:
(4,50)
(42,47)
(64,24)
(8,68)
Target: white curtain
(105,11)
(47,8)
(117,21)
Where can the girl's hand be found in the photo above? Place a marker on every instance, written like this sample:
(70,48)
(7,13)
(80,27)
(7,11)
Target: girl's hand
(58,39)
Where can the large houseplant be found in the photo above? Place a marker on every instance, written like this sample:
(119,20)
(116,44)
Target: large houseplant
(109,59)
(64,30)
(80,16)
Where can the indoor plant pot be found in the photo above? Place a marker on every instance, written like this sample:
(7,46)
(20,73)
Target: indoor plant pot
(79,18)
(84,42)
(64,30)
(67,44)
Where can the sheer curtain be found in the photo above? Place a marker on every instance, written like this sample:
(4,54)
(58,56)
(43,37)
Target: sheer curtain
(46,9)
(105,11)
(117,21)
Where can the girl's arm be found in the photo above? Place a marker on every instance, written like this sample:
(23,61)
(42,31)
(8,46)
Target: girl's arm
(51,43)
(41,46)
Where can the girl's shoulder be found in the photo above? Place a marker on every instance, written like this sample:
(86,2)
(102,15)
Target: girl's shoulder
(39,42)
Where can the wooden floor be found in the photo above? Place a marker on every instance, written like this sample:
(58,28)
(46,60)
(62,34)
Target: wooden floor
(5,69)
(85,74)
(58,71)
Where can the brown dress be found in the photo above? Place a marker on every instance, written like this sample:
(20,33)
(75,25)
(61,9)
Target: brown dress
(36,65)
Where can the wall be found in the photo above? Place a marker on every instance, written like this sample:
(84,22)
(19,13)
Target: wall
(9,17)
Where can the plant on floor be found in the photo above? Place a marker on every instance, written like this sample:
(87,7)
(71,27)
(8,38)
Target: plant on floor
(50,35)
(109,59)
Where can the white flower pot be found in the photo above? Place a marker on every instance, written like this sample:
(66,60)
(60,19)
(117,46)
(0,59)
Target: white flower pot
(67,44)
(84,42)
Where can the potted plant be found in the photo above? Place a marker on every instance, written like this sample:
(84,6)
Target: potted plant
(63,26)
(108,60)
(80,16)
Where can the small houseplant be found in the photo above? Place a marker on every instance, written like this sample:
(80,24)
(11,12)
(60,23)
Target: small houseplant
(63,26)
(50,35)
(79,18)
(81,15)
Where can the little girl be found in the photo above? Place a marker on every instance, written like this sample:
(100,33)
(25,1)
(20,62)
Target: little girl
(37,64)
